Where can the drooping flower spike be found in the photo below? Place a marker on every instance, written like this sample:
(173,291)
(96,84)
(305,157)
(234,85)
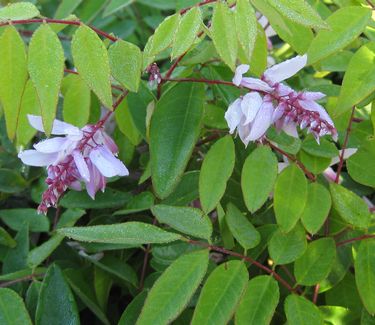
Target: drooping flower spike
(271,102)
(86,155)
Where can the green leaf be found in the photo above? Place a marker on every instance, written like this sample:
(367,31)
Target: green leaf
(11,181)
(66,7)
(110,199)
(298,36)
(299,11)
(316,263)
(314,164)
(163,35)
(13,76)
(186,191)
(317,207)
(290,197)
(15,259)
(29,105)
(175,127)
(258,177)
(241,228)
(126,124)
(136,233)
(246,26)
(223,32)
(141,202)
(77,101)
(91,60)
(6,239)
(216,169)
(32,297)
(365,273)
(46,69)
(346,24)
(285,248)
(125,60)
(186,32)
(18,11)
(16,218)
(56,303)
(224,286)
(187,220)
(324,149)
(133,309)
(259,302)
(360,165)
(12,309)
(301,311)
(116,5)
(22,273)
(174,289)
(359,80)
(37,255)
(350,206)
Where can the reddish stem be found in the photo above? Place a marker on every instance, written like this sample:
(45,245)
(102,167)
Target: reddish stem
(316,292)
(247,259)
(309,174)
(344,145)
(58,21)
(371,4)
(206,81)
(200,4)
(351,240)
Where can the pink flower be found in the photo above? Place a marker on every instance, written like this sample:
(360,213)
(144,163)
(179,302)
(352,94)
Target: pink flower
(289,108)
(86,155)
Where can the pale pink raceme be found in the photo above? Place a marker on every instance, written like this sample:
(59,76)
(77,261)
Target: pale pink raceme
(84,155)
(271,102)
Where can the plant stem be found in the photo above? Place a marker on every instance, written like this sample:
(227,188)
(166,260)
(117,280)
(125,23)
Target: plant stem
(25,278)
(247,259)
(309,174)
(316,292)
(351,240)
(59,21)
(344,145)
(200,4)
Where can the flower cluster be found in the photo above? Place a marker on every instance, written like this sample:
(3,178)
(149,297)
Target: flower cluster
(84,155)
(271,102)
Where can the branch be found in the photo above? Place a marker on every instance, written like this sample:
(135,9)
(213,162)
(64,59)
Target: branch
(25,278)
(247,259)
(309,174)
(344,145)
(58,21)
(351,240)
(200,4)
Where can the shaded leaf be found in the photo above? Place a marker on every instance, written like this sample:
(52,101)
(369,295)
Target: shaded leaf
(241,228)
(259,302)
(56,302)
(175,127)
(187,220)
(258,177)
(174,288)
(12,308)
(290,197)
(123,233)
(216,169)
(301,311)
(225,286)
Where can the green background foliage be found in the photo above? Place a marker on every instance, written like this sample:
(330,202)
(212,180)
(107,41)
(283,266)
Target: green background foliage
(204,230)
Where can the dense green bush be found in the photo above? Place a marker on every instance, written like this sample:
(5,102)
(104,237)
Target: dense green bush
(216,163)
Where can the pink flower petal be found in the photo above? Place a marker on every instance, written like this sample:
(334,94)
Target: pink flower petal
(256,84)
(233,115)
(250,106)
(310,105)
(107,164)
(312,95)
(50,145)
(286,69)
(290,129)
(241,69)
(81,165)
(36,158)
(59,127)
(262,121)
